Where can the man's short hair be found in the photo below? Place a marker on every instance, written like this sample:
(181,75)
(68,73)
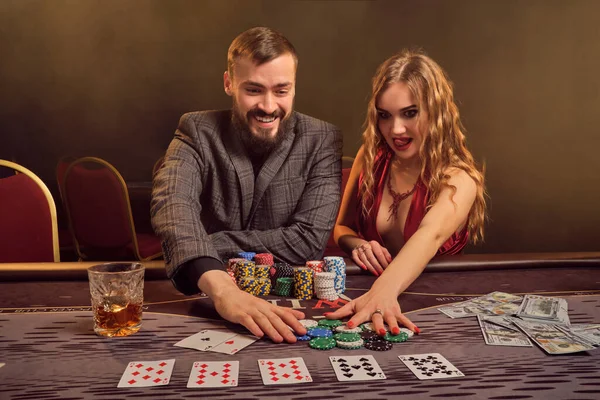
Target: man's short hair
(260,45)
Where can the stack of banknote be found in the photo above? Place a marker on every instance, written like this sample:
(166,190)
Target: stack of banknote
(509,320)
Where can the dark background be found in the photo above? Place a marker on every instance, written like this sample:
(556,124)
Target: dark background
(111,78)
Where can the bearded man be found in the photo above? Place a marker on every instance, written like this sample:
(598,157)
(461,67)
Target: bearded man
(259,177)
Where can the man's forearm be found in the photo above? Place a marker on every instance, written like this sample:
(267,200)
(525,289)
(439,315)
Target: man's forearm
(215,284)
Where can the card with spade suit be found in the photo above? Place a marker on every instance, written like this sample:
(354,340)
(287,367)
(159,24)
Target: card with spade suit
(205,340)
(356,368)
(234,344)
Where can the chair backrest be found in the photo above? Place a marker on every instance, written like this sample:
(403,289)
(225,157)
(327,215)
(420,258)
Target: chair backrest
(98,208)
(28,227)
(61,168)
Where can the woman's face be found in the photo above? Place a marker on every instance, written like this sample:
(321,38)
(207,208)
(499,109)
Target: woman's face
(397,120)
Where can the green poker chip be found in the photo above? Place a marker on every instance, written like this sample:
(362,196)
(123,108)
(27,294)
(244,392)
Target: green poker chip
(347,337)
(322,343)
(401,337)
(330,323)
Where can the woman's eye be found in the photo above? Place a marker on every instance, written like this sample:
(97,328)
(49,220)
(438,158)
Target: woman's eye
(411,113)
(382,115)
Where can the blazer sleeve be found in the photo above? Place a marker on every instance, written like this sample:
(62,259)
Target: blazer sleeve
(306,235)
(176,208)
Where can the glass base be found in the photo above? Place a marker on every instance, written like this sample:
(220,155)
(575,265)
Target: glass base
(117,332)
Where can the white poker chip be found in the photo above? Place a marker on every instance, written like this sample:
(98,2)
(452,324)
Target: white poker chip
(309,323)
(350,345)
(345,329)
(408,332)
(368,326)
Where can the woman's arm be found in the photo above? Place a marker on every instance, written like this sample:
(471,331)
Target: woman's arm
(447,215)
(373,256)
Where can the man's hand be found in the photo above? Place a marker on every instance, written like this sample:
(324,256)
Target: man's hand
(259,316)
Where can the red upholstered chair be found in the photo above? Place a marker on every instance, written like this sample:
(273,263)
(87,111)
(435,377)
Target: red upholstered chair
(28,228)
(65,239)
(332,248)
(99,213)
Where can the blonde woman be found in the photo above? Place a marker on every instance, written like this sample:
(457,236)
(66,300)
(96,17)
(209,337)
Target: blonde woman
(414,191)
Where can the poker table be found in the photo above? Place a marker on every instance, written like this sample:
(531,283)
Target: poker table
(50,349)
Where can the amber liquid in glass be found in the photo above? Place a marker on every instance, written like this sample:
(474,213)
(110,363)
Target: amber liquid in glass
(117,320)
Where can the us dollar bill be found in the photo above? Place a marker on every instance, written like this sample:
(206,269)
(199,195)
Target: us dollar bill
(496,334)
(540,307)
(551,338)
(588,332)
(495,303)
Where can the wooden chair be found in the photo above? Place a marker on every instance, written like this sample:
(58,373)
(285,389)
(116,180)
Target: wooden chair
(29,231)
(99,213)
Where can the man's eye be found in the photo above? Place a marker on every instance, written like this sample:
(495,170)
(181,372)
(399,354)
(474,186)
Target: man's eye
(282,92)
(411,113)
(252,90)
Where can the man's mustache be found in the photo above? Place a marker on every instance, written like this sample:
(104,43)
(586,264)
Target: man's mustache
(257,112)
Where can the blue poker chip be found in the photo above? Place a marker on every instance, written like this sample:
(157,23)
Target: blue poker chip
(303,338)
(248,255)
(319,332)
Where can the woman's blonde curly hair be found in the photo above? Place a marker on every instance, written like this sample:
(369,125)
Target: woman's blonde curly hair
(444,144)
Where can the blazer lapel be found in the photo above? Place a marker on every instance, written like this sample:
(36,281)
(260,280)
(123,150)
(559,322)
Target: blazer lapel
(243,168)
(272,166)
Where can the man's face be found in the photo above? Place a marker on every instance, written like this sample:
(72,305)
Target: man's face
(263,97)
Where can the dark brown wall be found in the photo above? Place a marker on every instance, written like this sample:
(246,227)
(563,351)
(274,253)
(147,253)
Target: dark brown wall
(111,78)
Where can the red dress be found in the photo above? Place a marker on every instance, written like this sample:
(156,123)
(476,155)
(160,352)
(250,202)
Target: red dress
(367,226)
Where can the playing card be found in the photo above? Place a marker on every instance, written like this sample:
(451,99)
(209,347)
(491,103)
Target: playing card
(205,339)
(430,366)
(282,371)
(356,368)
(214,374)
(234,344)
(147,373)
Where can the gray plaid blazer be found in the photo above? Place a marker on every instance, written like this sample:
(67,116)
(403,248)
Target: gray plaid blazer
(207,203)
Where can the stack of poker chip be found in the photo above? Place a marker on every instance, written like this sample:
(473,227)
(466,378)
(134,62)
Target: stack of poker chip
(262,287)
(244,269)
(248,255)
(338,267)
(262,272)
(348,340)
(303,284)
(325,286)
(283,286)
(316,266)
(283,270)
(264,259)
(231,267)
(247,284)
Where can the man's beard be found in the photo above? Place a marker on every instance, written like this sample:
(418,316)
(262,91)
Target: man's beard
(261,143)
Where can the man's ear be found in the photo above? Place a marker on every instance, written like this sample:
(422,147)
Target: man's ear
(227,84)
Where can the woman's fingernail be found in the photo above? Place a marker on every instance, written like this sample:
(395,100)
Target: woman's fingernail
(395,330)
(382,331)
(326,314)
(350,324)
(417,330)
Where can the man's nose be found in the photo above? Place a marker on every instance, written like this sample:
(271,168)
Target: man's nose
(268,104)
